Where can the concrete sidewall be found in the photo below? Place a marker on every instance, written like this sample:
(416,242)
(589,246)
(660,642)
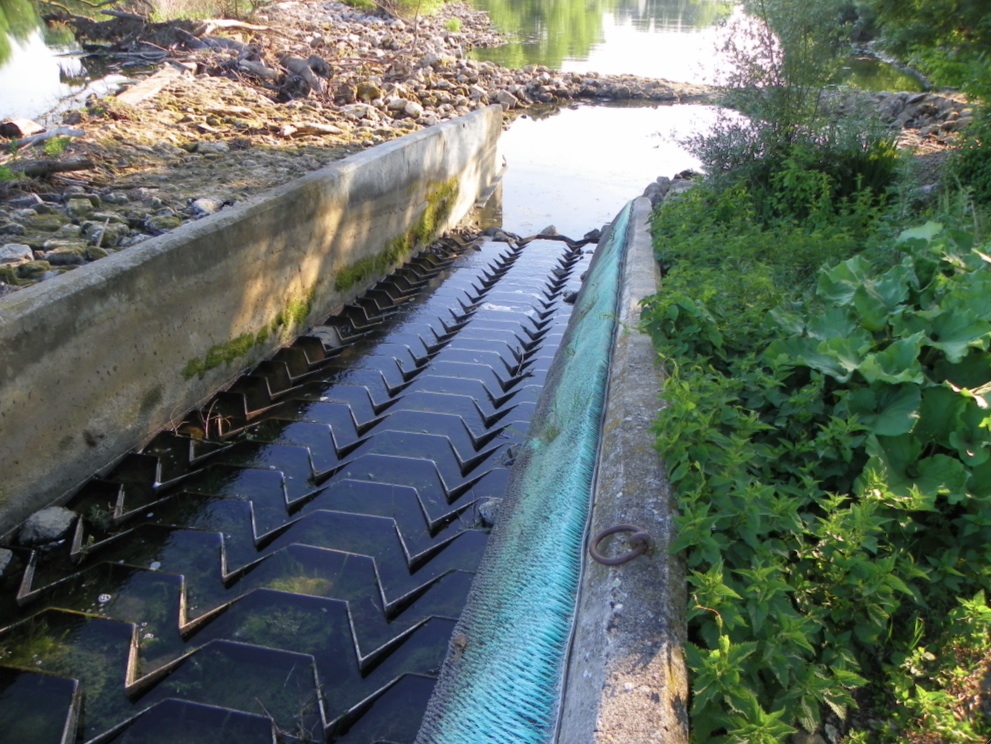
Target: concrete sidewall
(94,362)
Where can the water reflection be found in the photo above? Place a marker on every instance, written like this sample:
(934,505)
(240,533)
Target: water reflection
(577,169)
(869,73)
(655,38)
(41,71)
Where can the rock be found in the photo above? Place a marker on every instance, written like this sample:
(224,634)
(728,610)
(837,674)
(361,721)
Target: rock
(68,232)
(413,110)
(161,223)
(45,526)
(64,252)
(548,231)
(26,201)
(33,269)
(12,228)
(46,222)
(93,253)
(507,100)
(367,91)
(106,234)
(205,147)
(205,206)
(15,253)
(6,556)
(116,197)
(488,512)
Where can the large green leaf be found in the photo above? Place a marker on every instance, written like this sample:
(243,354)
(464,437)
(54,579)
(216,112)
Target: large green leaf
(953,329)
(877,301)
(838,284)
(907,476)
(836,322)
(924,233)
(940,410)
(896,364)
(973,371)
(886,410)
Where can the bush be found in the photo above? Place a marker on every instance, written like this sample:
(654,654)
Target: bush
(970,164)
(830,462)
(793,157)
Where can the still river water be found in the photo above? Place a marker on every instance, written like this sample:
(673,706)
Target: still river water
(574,169)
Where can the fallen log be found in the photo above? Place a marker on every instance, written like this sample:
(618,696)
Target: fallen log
(150,87)
(20,128)
(258,69)
(50,134)
(41,168)
(214,23)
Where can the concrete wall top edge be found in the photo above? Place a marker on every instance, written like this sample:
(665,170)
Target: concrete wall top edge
(326,178)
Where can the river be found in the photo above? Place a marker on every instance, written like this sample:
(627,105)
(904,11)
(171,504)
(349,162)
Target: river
(574,169)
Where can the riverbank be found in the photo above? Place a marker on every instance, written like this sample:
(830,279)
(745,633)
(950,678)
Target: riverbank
(223,120)
(237,108)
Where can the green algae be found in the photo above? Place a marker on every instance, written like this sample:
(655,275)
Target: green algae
(441,198)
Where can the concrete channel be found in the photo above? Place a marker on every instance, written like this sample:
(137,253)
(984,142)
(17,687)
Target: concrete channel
(288,559)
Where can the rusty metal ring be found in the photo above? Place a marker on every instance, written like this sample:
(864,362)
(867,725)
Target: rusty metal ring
(640,543)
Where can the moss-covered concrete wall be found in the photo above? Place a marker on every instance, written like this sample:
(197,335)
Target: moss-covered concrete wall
(94,362)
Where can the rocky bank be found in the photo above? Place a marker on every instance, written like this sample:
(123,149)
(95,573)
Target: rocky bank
(236,108)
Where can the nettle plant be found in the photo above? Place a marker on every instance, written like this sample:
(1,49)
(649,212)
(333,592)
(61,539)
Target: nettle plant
(833,478)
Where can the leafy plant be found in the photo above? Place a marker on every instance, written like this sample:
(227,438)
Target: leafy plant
(794,158)
(829,447)
(970,162)
(55,146)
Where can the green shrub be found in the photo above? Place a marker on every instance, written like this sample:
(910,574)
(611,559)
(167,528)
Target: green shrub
(970,163)
(830,457)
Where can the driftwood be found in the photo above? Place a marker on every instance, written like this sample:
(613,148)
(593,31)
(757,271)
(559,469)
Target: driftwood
(297,130)
(258,69)
(214,23)
(149,87)
(52,133)
(125,16)
(301,67)
(39,168)
(20,128)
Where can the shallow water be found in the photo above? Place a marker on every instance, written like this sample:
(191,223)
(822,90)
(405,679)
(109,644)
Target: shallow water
(42,78)
(577,169)
(669,39)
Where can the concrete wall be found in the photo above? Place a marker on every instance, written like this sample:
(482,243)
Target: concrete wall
(626,679)
(94,362)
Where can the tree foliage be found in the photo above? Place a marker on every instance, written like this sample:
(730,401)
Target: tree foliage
(948,39)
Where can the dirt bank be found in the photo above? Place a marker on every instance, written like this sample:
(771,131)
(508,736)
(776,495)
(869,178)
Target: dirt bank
(235,109)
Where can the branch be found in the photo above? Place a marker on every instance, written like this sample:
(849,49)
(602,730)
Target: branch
(38,168)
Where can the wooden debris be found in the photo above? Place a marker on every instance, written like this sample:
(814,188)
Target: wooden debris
(39,168)
(50,134)
(299,130)
(150,87)
(19,128)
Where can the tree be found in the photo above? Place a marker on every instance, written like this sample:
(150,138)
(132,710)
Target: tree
(947,39)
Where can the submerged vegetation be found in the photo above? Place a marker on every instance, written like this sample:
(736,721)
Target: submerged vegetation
(826,427)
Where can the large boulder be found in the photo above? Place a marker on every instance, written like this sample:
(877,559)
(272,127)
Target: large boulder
(46,526)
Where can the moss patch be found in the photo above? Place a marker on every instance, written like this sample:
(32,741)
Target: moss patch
(290,317)
(293,315)
(224,353)
(441,197)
